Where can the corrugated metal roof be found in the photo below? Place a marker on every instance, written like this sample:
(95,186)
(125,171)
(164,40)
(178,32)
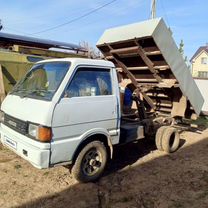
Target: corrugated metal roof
(7,39)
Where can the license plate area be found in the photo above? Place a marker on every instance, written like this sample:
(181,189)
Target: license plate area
(9,142)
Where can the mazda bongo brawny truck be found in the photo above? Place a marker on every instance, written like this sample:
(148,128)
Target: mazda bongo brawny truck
(73,112)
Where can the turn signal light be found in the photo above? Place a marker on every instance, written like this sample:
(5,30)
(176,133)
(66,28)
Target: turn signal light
(44,134)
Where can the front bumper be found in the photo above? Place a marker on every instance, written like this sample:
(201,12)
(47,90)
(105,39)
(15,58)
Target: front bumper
(37,153)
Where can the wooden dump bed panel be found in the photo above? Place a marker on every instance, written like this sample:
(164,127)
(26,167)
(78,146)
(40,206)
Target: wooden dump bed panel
(146,54)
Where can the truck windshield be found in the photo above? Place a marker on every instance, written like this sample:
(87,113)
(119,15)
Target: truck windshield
(42,80)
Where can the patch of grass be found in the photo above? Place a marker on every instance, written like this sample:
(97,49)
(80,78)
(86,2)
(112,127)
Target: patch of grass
(46,173)
(3,193)
(17,167)
(201,121)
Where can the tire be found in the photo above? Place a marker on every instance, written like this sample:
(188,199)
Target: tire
(90,163)
(159,136)
(170,140)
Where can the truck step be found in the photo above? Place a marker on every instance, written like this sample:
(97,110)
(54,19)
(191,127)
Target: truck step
(131,132)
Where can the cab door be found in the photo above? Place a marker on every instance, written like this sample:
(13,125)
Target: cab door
(89,103)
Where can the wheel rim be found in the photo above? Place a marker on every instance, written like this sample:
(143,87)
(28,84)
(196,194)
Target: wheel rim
(92,162)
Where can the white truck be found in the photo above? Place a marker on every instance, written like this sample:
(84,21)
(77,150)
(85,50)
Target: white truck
(70,111)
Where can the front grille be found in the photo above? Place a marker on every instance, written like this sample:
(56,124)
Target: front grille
(16,124)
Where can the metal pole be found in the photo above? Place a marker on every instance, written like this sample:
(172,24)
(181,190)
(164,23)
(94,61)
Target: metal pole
(153,9)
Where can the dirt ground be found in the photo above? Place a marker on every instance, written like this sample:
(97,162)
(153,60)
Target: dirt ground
(139,176)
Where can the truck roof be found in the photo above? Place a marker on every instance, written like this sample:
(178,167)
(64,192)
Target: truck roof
(82,61)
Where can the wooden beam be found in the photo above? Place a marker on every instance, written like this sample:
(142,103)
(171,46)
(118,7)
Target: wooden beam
(133,54)
(148,62)
(153,53)
(152,94)
(147,81)
(124,50)
(165,67)
(165,109)
(163,105)
(125,70)
(167,83)
(131,77)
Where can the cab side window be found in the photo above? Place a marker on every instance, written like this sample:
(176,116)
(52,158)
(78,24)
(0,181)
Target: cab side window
(90,82)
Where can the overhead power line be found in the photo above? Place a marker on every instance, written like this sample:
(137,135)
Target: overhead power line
(75,19)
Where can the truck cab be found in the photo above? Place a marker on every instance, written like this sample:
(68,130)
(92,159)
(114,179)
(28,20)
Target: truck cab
(61,107)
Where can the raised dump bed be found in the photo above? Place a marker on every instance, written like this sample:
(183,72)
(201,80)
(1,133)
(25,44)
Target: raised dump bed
(150,64)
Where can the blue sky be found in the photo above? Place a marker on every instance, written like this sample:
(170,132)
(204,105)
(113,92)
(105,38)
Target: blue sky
(186,18)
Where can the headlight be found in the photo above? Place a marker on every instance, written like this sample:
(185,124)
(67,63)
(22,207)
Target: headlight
(33,130)
(41,133)
(1,116)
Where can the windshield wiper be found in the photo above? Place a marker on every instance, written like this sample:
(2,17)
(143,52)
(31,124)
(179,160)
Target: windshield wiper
(18,90)
(40,92)
(25,93)
(30,92)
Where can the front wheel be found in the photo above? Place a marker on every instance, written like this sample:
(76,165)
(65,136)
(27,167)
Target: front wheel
(90,162)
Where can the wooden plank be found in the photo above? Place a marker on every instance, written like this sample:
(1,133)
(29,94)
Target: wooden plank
(147,80)
(179,106)
(2,89)
(135,83)
(148,62)
(131,77)
(124,50)
(165,67)
(123,66)
(133,54)
(165,109)
(157,95)
(125,69)
(163,105)
(150,49)
(167,83)
(153,53)
(149,100)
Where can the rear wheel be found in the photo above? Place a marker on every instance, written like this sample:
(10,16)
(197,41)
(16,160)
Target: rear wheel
(90,162)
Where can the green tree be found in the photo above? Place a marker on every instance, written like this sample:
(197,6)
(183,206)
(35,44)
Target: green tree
(181,47)
(181,50)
